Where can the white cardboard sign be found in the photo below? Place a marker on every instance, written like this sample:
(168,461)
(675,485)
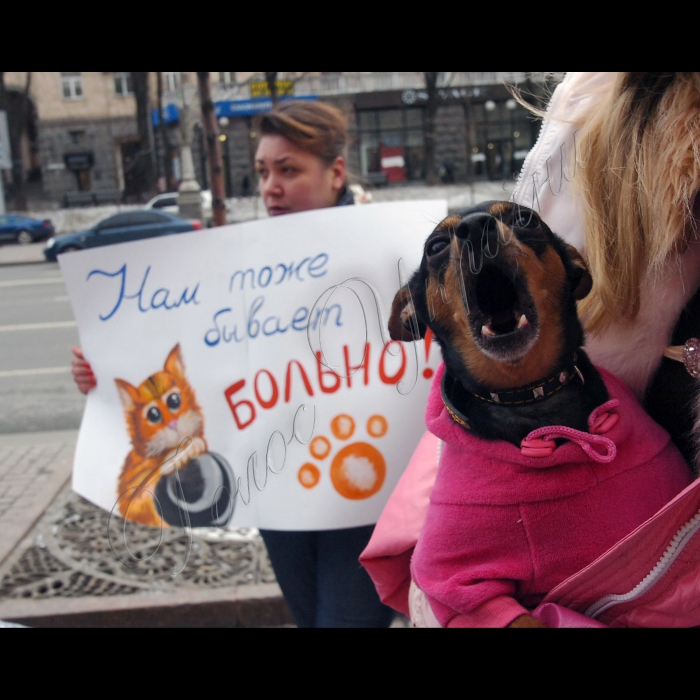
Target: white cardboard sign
(240,382)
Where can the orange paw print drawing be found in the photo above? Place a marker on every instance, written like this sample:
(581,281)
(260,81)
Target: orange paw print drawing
(358,470)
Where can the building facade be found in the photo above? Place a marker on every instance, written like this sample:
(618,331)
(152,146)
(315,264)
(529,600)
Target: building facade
(85,144)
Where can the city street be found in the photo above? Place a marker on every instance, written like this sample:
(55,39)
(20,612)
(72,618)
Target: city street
(37,330)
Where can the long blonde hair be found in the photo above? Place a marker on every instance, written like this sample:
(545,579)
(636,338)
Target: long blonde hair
(642,143)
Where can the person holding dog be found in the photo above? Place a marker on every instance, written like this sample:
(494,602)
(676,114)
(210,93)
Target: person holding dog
(615,173)
(301,166)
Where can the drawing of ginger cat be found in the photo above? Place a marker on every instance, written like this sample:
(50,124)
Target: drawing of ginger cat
(160,414)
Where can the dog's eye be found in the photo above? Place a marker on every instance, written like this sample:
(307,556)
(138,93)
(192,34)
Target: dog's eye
(436,246)
(526,219)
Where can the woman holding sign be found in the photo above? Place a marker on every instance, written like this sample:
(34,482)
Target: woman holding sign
(300,163)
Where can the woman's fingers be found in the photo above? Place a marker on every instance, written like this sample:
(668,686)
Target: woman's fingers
(83,375)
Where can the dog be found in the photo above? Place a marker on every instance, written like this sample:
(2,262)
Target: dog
(517,506)
(499,291)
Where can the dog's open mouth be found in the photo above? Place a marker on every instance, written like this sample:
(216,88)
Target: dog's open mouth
(504,322)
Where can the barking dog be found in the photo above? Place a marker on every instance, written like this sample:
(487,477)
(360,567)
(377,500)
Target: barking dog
(546,461)
(499,291)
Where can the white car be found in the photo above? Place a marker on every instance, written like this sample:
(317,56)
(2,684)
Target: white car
(168,202)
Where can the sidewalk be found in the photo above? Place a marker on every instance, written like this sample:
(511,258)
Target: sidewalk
(64,564)
(15,254)
(34,467)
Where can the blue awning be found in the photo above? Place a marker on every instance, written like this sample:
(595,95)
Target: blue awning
(248,108)
(230,108)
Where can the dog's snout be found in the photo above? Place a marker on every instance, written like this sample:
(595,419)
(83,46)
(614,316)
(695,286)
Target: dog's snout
(475,226)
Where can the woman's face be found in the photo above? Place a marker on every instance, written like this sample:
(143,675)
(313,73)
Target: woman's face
(292,179)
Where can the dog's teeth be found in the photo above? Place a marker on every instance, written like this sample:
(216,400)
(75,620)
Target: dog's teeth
(522,322)
(486,330)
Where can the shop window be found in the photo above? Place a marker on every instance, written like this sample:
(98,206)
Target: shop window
(503,133)
(72,86)
(122,84)
(390,119)
(392,143)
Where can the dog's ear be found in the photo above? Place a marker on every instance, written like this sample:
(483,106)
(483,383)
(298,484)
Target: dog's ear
(581,280)
(403,323)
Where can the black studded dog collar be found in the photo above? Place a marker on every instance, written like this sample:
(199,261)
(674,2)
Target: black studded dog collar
(518,396)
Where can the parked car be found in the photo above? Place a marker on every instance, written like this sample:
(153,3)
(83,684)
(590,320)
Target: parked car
(24,230)
(129,226)
(168,202)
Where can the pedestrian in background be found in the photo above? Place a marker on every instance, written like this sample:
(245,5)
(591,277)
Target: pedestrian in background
(301,166)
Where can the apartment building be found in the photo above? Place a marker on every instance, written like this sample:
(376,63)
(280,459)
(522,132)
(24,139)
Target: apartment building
(84,138)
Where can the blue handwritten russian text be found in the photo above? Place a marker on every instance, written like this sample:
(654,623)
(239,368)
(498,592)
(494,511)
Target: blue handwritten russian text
(255,326)
(160,299)
(308,267)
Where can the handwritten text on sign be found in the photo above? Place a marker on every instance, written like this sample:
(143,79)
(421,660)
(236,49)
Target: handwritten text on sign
(224,338)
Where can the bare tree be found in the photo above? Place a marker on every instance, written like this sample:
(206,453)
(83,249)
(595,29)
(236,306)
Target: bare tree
(18,107)
(271,79)
(431,88)
(146,155)
(216,161)
(163,130)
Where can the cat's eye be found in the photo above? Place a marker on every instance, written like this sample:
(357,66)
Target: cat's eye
(154,415)
(174,402)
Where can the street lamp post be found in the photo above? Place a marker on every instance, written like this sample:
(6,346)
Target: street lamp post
(189,198)
(5,157)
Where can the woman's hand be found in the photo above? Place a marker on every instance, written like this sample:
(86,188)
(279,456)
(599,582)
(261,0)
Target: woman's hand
(82,372)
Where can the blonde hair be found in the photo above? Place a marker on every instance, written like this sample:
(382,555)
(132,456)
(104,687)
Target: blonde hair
(642,143)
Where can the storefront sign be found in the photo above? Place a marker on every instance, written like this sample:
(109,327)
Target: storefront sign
(260,88)
(170,114)
(79,161)
(248,108)
(243,375)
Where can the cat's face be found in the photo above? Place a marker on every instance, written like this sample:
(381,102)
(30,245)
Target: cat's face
(162,411)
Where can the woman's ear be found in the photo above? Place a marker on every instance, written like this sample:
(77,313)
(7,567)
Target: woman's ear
(403,323)
(581,280)
(339,174)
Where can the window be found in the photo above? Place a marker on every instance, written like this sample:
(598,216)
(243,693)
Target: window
(165,202)
(72,86)
(77,137)
(172,81)
(133,219)
(394,135)
(122,84)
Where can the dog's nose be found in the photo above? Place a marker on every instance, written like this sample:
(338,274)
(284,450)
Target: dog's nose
(475,226)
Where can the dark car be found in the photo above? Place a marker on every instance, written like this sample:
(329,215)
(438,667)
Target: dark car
(120,228)
(24,230)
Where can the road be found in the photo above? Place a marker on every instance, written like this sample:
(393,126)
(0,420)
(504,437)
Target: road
(37,327)
(37,330)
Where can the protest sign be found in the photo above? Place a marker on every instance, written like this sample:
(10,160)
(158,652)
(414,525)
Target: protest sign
(242,376)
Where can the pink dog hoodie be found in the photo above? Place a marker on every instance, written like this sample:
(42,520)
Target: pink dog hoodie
(503,529)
